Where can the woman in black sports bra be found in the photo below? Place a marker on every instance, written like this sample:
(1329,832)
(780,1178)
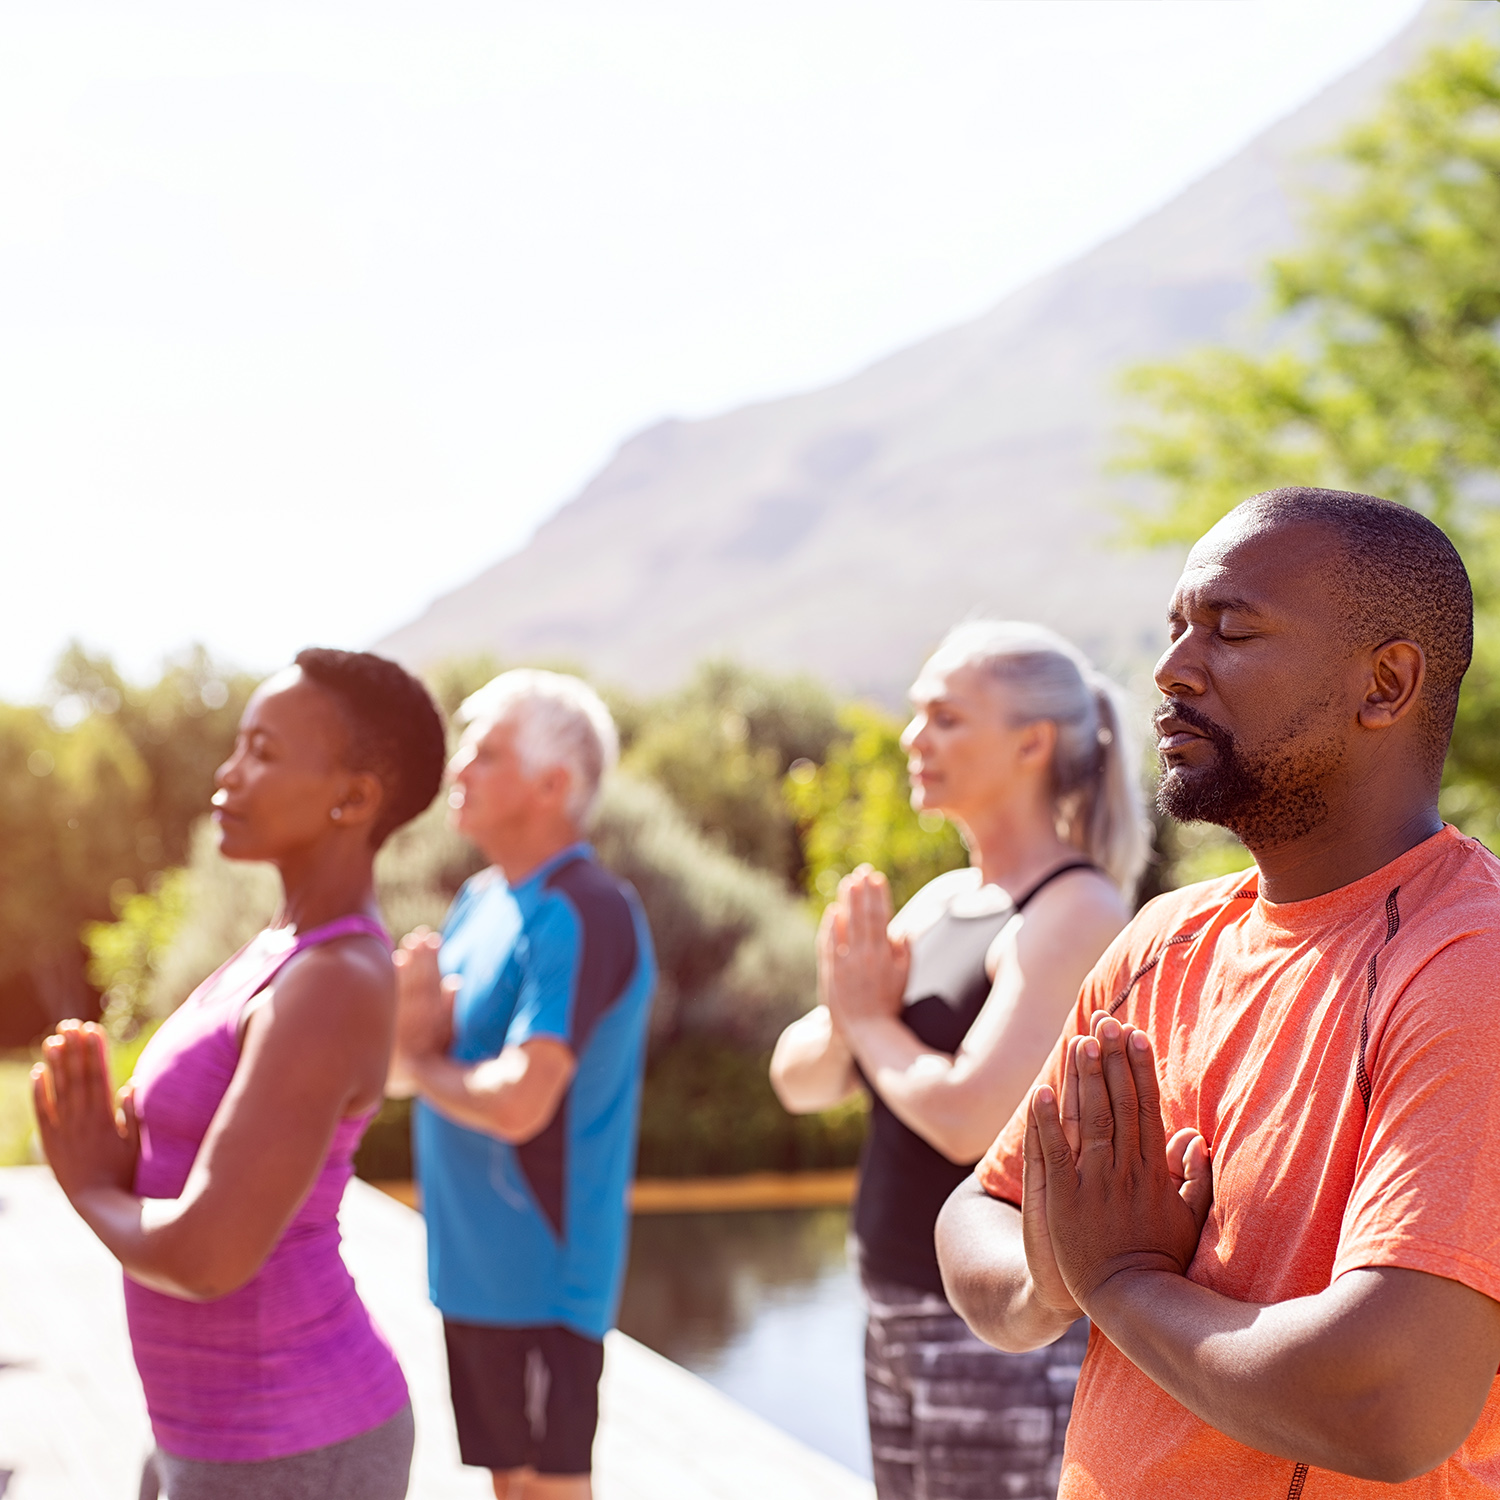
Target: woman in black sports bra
(945,1014)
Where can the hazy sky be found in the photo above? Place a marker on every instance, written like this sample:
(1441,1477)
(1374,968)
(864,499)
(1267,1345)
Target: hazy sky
(310,311)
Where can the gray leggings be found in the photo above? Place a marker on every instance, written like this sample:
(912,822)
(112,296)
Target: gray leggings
(953,1419)
(373,1466)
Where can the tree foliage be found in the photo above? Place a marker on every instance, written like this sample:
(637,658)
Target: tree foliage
(99,789)
(856,809)
(721,748)
(1385,372)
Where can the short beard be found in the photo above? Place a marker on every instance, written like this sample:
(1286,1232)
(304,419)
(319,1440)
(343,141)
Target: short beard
(1264,800)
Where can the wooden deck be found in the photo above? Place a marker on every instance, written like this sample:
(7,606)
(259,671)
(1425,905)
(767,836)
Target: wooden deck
(73,1426)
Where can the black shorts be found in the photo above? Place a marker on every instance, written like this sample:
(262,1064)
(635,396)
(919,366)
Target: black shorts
(524,1398)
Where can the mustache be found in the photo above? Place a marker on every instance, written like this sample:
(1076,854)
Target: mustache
(1194,718)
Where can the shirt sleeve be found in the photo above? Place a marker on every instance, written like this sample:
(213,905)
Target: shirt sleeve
(549,978)
(1426,1193)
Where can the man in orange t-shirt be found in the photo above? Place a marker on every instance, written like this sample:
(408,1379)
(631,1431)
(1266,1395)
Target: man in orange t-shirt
(1298,1293)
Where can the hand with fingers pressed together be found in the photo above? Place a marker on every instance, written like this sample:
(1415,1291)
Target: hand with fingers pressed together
(1104,1192)
(862,967)
(424,1005)
(90,1138)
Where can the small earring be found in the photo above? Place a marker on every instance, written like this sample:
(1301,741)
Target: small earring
(336,813)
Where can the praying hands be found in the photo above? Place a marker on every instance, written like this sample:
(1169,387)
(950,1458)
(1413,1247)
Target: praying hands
(90,1137)
(1104,1193)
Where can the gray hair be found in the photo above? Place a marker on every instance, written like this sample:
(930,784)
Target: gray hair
(1095,780)
(560,721)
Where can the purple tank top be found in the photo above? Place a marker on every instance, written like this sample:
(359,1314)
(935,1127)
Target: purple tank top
(291,1361)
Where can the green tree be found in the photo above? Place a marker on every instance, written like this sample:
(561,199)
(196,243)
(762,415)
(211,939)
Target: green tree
(99,791)
(721,748)
(856,809)
(1385,374)
(125,955)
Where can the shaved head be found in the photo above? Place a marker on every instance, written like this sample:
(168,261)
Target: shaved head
(1394,576)
(1318,642)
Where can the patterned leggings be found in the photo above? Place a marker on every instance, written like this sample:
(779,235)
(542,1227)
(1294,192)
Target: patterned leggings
(952,1418)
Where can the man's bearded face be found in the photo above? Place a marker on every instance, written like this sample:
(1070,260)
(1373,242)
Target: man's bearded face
(1266,796)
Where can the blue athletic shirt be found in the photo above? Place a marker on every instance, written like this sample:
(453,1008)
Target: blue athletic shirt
(534,1234)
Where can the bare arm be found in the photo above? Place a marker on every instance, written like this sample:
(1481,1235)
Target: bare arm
(313,1052)
(987,1278)
(958,1104)
(1381,1376)
(812,1068)
(512,1097)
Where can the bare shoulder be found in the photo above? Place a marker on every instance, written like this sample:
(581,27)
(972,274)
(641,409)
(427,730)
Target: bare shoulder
(1084,894)
(336,984)
(1079,913)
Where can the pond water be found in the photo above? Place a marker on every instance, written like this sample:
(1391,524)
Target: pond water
(766,1308)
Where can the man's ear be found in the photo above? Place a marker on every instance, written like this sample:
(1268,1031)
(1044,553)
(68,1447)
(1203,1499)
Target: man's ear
(1397,671)
(554,785)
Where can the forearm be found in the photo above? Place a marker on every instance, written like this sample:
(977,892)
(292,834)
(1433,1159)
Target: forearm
(154,1245)
(1307,1380)
(928,1091)
(988,1283)
(480,1096)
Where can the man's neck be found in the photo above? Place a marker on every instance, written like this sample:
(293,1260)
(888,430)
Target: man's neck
(519,857)
(1341,850)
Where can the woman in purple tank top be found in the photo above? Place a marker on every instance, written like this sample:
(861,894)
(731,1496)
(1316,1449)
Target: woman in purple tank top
(215,1178)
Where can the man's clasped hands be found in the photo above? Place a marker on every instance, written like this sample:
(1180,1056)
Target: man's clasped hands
(1105,1194)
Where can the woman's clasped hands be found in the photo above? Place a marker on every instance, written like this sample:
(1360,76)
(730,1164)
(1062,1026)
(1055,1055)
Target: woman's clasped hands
(89,1134)
(862,966)
(1105,1193)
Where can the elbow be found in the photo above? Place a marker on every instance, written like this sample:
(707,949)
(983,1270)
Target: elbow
(969,1275)
(795,1099)
(517,1122)
(201,1280)
(957,1139)
(804,1090)
(785,1091)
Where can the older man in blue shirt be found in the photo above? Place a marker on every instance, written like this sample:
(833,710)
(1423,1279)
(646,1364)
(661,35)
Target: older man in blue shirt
(522,1032)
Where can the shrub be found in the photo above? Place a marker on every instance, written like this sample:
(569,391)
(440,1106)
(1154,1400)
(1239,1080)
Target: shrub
(708,1110)
(721,747)
(856,809)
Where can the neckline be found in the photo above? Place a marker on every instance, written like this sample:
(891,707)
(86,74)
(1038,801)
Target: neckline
(351,923)
(1297,917)
(579,850)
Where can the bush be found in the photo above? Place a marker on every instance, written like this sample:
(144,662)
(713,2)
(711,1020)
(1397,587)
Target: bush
(720,749)
(708,1110)
(856,809)
(734,948)
(224,904)
(384,1155)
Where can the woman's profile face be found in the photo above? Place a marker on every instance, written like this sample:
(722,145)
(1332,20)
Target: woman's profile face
(277,790)
(963,756)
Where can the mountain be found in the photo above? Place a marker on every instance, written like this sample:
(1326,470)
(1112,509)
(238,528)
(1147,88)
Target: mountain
(841,531)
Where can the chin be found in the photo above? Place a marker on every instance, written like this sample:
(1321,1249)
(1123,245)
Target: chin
(1190,795)
(237,846)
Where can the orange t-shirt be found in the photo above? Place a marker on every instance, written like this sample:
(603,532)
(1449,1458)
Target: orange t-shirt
(1341,1056)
